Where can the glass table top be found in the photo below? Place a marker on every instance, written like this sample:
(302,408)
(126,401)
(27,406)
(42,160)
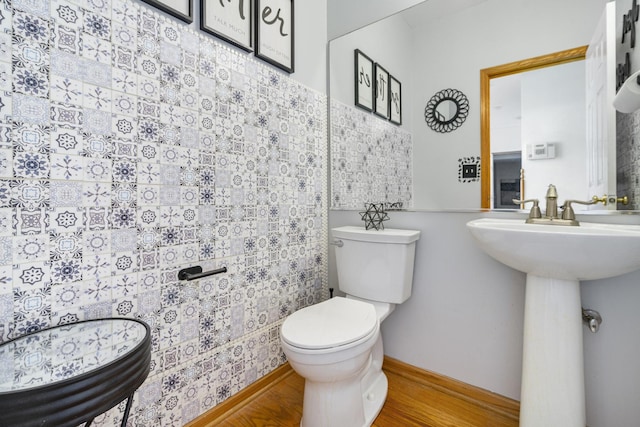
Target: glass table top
(64,352)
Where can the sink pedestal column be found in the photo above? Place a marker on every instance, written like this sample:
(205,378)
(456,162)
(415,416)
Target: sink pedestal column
(552,391)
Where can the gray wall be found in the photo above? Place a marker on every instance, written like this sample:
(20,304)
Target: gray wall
(465,316)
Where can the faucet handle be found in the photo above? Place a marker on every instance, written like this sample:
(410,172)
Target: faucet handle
(535,209)
(568,212)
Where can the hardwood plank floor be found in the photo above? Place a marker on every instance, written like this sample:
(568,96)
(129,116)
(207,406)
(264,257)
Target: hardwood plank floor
(409,403)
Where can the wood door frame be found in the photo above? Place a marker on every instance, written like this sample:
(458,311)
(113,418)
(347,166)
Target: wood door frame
(557,58)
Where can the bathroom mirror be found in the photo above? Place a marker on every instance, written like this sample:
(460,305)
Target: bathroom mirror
(409,44)
(445,111)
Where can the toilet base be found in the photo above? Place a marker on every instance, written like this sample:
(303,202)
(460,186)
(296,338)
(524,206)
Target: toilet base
(344,405)
(374,384)
(374,398)
(353,402)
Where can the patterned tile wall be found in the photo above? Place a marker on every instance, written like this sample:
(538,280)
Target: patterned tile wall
(371,159)
(132,146)
(628,158)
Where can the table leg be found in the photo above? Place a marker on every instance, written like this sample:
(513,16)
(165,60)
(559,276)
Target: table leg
(126,410)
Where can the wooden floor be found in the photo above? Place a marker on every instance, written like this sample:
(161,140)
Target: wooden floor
(409,403)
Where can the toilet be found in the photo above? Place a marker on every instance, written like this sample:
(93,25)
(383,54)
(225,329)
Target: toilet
(336,345)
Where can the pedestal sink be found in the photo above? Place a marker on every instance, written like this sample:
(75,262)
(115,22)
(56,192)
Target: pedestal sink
(556,258)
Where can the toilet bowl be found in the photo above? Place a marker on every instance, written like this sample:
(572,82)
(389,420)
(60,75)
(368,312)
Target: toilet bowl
(337,347)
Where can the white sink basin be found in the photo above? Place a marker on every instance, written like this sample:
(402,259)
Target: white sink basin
(555,259)
(587,252)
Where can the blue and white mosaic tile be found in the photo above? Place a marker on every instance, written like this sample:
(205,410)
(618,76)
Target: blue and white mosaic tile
(371,160)
(628,159)
(132,146)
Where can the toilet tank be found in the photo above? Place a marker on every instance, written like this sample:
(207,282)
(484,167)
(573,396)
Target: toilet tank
(375,264)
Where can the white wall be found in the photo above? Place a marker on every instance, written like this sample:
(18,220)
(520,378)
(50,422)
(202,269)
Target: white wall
(553,111)
(450,54)
(506,139)
(350,15)
(388,42)
(506,102)
(465,316)
(311,44)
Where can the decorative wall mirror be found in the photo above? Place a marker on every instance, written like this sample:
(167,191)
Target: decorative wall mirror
(447,110)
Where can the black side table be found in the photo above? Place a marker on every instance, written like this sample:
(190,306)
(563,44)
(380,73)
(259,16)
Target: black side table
(67,375)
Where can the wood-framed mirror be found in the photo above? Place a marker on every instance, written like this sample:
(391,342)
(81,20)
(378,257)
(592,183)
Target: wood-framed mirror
(557,58)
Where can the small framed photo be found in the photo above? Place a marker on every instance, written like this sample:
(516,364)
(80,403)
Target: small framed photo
(395,101)
(230,21)
(181,9)
(363,66)
(381,105)
(275,33)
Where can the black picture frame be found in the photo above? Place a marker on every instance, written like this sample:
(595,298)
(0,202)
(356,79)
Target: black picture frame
(381,98)
(181,9)
(363,80)
(275,33)
(229,21)
(395,100)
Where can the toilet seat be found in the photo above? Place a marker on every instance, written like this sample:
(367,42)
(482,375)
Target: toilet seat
(333,323)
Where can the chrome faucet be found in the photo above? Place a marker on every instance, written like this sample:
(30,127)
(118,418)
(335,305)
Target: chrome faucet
(551,216)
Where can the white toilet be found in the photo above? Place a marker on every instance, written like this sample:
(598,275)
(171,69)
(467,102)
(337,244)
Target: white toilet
(336,345)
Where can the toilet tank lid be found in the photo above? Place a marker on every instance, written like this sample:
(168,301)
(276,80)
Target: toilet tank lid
(388,235)
(332,323)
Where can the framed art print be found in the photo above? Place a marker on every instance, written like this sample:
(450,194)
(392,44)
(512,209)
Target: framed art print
(230,21)
(181,9)
(381,100)
(275,33)
(395,101)
(363,66)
